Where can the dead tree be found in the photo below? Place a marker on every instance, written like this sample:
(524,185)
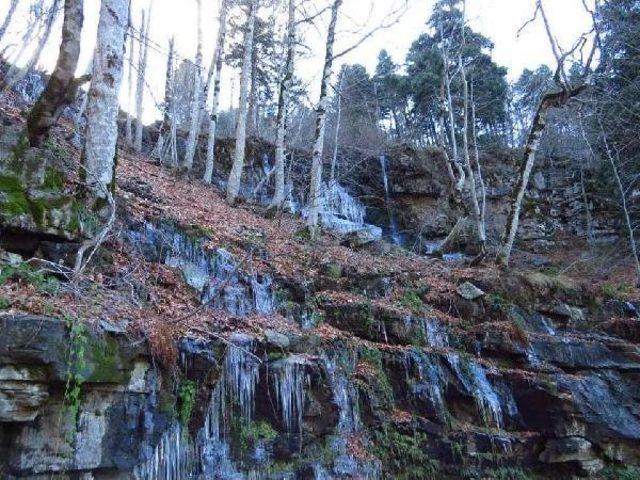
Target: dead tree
(62,86)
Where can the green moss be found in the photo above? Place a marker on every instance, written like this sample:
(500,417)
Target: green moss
(250,433)
(24,272)
(13,198)
(411,299)
(105,363)
(622,473)
(53,180)
(4,303)
(620,291)
(404,457)
(378,387)
(186,400)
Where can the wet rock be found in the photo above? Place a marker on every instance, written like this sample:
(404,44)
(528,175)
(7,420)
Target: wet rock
(574,314)
(539,181)
(277,339)
(576,450)
(469,291)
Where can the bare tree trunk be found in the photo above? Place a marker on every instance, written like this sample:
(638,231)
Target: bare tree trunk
(194,130)
(452,128)
(16,74)
(283,100)
(159,150)
(102,108)
(321,117)
(552,100)
(476,155)
(142,70)
(623,203)
(62,86)
(7,19)
(334,159)
(130,106)
(477,214)
(233,185)
(213,117)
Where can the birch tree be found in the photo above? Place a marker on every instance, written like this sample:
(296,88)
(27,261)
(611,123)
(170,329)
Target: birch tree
(336,133)
(556,99)
(162,151)
(283,100)
(233,185)
(142,69)
(102,107)
(62,85)
(321,120)
(130,91)
(7,19)
(194,130)
(217,67)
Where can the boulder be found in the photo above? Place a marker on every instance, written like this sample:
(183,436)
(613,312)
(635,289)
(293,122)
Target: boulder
(469,291)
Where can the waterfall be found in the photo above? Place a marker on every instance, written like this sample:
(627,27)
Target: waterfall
(435,335)
(241,374)
(474,378)
(430,383)
(342,213)
(345,396)
(393,224)
(172,459)
(289,380)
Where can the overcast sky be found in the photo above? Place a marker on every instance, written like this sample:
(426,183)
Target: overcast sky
(497,19)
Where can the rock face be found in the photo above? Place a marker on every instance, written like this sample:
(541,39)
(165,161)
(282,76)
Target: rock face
(36,211)
(520,389)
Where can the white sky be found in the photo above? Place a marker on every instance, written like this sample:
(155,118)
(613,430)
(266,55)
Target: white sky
(497,19)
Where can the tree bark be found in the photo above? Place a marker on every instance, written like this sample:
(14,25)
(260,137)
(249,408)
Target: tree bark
(233,185)
(213,117)
(334,159)
(62,86)
(7,19)
(130,105)
(142,70)
(283,100)
(160,152)
(475,205)
(321,118)
(194,130)
(103,106)
(549,101)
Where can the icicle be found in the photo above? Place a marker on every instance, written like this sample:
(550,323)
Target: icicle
(289,380)
(172,459)
(474,378)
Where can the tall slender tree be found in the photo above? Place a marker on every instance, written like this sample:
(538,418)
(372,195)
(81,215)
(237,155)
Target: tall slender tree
(321,120)
(196,105)
(17,74)
(102,107)
(130,91)
(143,53)
(283,103)
(7,19)
(235,177)
(217,67)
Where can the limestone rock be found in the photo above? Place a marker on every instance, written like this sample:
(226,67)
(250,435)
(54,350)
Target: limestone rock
(22,393)
(469,291)
(277,339)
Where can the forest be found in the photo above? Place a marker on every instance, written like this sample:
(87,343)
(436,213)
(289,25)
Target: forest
(240,241)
